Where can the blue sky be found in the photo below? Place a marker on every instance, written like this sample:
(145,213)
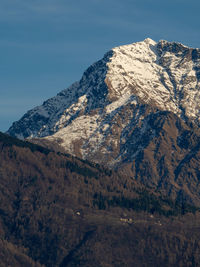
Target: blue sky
(45,45)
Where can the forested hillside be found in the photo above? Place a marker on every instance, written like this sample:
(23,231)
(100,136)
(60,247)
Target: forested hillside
(58,210)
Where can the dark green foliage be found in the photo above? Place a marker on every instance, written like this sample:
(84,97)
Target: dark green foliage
(74,167)
(145,202)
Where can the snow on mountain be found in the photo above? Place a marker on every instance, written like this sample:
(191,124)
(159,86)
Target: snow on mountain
(93,118)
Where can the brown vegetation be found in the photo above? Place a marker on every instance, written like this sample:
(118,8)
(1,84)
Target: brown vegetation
(58,210)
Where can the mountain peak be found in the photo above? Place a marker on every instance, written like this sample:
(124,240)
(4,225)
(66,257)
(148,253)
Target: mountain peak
(149,41)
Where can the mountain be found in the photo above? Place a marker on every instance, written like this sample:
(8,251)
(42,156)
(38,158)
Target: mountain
(135,111)
(57,210)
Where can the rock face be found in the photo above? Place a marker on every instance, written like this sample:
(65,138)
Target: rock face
(138,108)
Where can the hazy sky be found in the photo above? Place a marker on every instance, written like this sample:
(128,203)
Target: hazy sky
(45,45)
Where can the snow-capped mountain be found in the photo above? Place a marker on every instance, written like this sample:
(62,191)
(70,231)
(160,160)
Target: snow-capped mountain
(137,108)
(95,114)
